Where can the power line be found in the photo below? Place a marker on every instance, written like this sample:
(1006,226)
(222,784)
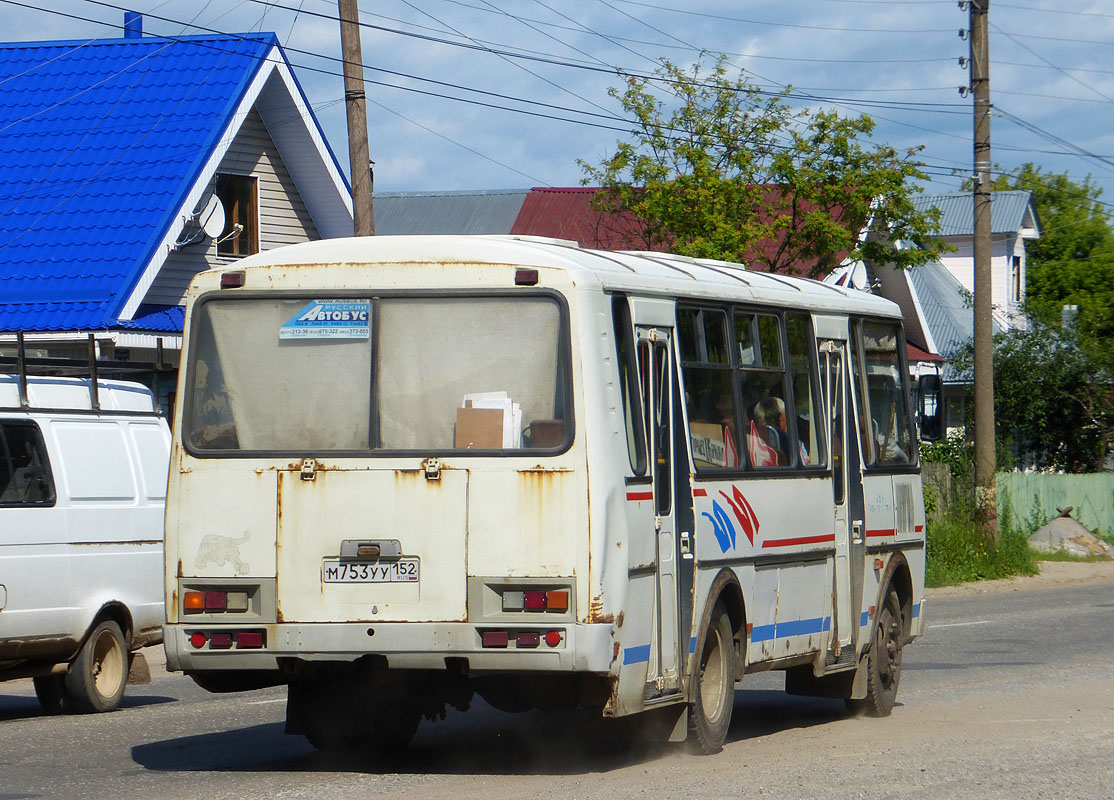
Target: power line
(1049,63)
(825,28)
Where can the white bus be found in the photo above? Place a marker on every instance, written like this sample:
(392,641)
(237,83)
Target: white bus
(411,469)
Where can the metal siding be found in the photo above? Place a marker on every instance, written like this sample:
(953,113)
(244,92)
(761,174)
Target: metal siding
(283,218)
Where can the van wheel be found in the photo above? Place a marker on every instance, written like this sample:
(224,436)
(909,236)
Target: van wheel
(883,662)
(714,686)
(99,673)
(51,692)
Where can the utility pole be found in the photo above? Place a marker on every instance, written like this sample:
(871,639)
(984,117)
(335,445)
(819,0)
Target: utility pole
(355,105)
(986,492)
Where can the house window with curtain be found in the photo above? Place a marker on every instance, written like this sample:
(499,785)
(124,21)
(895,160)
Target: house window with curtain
(239,194)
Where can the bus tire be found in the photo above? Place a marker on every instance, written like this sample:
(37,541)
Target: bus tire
(51,693)
(97,678)
(884,661)
(713,692)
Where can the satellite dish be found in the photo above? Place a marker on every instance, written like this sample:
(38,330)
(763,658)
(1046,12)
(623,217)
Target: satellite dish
(211,218)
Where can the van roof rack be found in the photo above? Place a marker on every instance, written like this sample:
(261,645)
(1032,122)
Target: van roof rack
(90,367)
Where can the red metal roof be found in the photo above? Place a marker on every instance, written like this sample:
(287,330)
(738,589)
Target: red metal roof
(917,354)
(568,214)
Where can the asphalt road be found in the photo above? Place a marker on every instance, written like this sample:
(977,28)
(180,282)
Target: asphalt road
(1008,695)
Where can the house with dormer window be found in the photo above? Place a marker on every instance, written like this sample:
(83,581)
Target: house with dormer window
(1013,221)
(129,165)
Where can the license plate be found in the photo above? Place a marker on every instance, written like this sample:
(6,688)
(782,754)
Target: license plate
(402,571)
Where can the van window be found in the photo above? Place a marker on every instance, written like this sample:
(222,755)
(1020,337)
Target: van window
(399,373)
(25,477)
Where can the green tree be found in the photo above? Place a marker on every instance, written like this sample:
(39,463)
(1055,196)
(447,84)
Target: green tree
(718,168)
(1053,401)
(1073,260)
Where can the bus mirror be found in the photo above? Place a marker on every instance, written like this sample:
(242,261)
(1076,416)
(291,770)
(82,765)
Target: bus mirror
(931,407)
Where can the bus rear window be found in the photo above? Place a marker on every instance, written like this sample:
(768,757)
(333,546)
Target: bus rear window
(399,373)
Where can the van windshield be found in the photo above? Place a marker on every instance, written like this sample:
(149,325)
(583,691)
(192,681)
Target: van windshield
(309,374)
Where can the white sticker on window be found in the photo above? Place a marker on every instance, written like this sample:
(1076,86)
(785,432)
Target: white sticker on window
(329,319)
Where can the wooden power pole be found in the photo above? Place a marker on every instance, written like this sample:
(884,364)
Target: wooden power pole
(985,481)
(355,104)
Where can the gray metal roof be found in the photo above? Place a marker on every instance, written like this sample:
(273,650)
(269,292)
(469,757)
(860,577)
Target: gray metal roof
(466,212)
(1008,212)
(948,312)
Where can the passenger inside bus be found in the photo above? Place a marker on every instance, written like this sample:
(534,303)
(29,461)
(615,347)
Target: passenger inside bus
(767,435)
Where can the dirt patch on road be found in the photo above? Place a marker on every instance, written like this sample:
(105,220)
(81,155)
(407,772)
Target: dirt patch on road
(1052,574)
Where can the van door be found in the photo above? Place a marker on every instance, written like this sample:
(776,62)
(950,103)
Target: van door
(847,497)
(659,392)
(36,614)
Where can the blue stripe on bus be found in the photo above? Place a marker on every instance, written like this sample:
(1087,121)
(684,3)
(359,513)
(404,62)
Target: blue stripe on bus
(636,655)
(866,619)
(692,645)
(796,627)
(916,610)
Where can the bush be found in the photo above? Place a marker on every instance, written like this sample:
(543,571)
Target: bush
(958,550)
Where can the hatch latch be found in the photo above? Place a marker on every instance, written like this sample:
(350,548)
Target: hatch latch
(309,469)
(432,467)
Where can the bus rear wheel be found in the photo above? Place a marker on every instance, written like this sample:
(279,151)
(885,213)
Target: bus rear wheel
(883,662)
(713,686)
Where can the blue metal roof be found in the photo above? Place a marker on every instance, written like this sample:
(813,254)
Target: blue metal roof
(100,142)
(957,211)
(949,313)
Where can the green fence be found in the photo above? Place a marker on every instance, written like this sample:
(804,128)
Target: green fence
(1039,495)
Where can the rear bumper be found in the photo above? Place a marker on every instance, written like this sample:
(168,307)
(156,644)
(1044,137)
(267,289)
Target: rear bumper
(425,645)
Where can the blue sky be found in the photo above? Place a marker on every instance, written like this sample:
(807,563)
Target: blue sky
(1052,80)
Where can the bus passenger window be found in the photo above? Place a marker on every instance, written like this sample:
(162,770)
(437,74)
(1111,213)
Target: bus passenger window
(629,385)
(803,375)
(709,396)
(886,393)
(763,381)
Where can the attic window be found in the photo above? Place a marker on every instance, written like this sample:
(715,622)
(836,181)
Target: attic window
(240,196)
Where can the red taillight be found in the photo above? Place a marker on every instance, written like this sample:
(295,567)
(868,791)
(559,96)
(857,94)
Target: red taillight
(553,638)
(526,277)
(219,641)
(198,639)
(216,601)
(249,639)
(232,280)
(494,638)
(527,639)
(534,601)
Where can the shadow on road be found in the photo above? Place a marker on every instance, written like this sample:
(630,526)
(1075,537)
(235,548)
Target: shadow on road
(485,742)
(13,707)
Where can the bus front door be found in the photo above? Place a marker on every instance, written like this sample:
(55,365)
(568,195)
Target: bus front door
(658,378)
(847,490)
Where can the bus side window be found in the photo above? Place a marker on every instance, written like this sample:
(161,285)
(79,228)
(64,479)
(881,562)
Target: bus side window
(709,395)
(629,384)
(886,393)
(803,374)
(763,380)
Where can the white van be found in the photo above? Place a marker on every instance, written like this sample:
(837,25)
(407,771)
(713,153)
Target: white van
(82,493)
